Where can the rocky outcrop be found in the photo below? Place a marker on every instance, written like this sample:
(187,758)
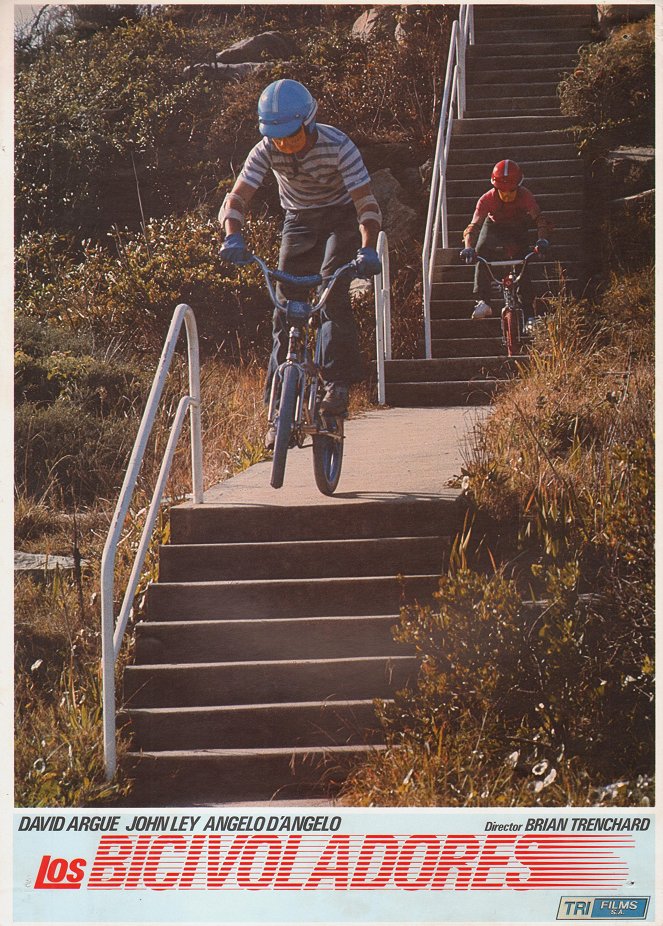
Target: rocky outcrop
(399,220)
(258,48)
(222,71)
(246,56)
(376,23)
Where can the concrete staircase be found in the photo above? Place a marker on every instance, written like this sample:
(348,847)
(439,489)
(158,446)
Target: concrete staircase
(266,639)
(520,54)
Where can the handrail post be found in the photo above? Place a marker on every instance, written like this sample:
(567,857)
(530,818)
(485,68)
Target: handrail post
(455,93)
(111,635)
(382,316)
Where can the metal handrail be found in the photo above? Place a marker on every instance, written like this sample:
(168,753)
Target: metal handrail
(382,315)
(112,633)
(454,98)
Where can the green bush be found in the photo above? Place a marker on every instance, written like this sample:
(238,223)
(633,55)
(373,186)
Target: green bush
(610,94)
(52,364)
(128,290)
(88,111)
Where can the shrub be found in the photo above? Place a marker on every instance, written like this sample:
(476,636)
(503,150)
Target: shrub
(610,94)
(79,141)
(129,289)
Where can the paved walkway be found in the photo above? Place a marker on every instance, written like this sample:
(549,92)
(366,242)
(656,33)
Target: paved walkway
(389,454)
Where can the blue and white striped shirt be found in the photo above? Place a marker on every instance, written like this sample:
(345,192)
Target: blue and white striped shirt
(324,176)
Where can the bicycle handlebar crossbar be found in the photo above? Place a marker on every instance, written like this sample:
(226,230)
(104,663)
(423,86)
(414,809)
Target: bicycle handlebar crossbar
(507,263)
(304,281)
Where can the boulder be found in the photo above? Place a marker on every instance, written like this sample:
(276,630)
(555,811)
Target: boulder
(273,45)
(221,71)
(399,220)
(39,564)
(377,23)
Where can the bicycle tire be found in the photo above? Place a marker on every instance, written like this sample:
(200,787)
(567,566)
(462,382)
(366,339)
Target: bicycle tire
(284,422)
(327,460)
(511,332)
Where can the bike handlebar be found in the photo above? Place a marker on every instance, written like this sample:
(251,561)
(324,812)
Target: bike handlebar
(508,263)
(305,281)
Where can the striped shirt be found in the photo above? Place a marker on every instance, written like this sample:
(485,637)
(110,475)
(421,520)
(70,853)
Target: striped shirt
(324,176)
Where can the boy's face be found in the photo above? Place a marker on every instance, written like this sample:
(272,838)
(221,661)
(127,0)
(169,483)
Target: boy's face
(507,196)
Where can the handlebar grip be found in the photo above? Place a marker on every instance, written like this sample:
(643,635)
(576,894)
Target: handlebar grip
(313,279)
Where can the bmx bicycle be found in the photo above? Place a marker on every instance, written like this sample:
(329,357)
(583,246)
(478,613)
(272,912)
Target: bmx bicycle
(513,317)
(297,386)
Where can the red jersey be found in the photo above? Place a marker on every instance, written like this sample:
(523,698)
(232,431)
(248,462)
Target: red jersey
(491,207)
(524,210)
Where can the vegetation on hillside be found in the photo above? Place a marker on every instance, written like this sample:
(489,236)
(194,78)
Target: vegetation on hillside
(122,159)
(517,702)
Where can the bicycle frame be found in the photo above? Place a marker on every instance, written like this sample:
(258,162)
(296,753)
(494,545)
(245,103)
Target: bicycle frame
(303,317)
(513,309)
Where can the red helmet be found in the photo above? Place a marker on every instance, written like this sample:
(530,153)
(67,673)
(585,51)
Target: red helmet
(506,176)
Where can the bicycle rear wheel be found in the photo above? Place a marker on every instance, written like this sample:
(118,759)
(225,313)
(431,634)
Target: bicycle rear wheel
(284,423)
(511,332)
(328,459)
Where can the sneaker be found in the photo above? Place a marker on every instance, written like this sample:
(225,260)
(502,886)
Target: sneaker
(270,437)
(335,399)
(482,310)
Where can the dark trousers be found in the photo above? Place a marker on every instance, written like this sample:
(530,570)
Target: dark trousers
(320,241)
(501,242)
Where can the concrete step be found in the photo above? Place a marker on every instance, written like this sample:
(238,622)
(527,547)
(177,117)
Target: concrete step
(466,328)
(527,11)
(427,395)
(212,776)
(516,124)
(468,347)
(567,200)
(159,642)
(501,135)
(267,599)
(508,52)
(214,523)
(457,291)
(481,170)
(538,185)
(516,88)
(561,218)
(553,35)
(527,61)
(251,726)
(227,683)
(298,559)
(493,151)
(452,369)
(461,272)
(490,108)
(520,73)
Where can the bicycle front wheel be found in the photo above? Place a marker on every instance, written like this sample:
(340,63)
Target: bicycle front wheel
(284,424)
(328,459)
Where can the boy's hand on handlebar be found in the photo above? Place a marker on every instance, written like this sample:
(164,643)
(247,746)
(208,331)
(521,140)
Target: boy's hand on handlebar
(469,255)
(234,250)
(541,246)
(367,264)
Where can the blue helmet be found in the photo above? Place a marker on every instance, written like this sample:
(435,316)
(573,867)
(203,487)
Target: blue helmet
(284,107)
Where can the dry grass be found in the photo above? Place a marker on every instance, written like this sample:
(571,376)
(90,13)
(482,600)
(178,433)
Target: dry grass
(58,753)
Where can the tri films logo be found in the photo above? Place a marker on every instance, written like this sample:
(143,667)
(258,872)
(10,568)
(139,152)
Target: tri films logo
(60,874)
(603,908)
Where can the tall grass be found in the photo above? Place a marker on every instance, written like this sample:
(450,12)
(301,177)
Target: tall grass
(519,703)
(58,750)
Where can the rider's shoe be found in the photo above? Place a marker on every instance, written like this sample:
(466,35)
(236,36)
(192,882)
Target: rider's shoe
(270,437)
(335,399)
(482,310)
